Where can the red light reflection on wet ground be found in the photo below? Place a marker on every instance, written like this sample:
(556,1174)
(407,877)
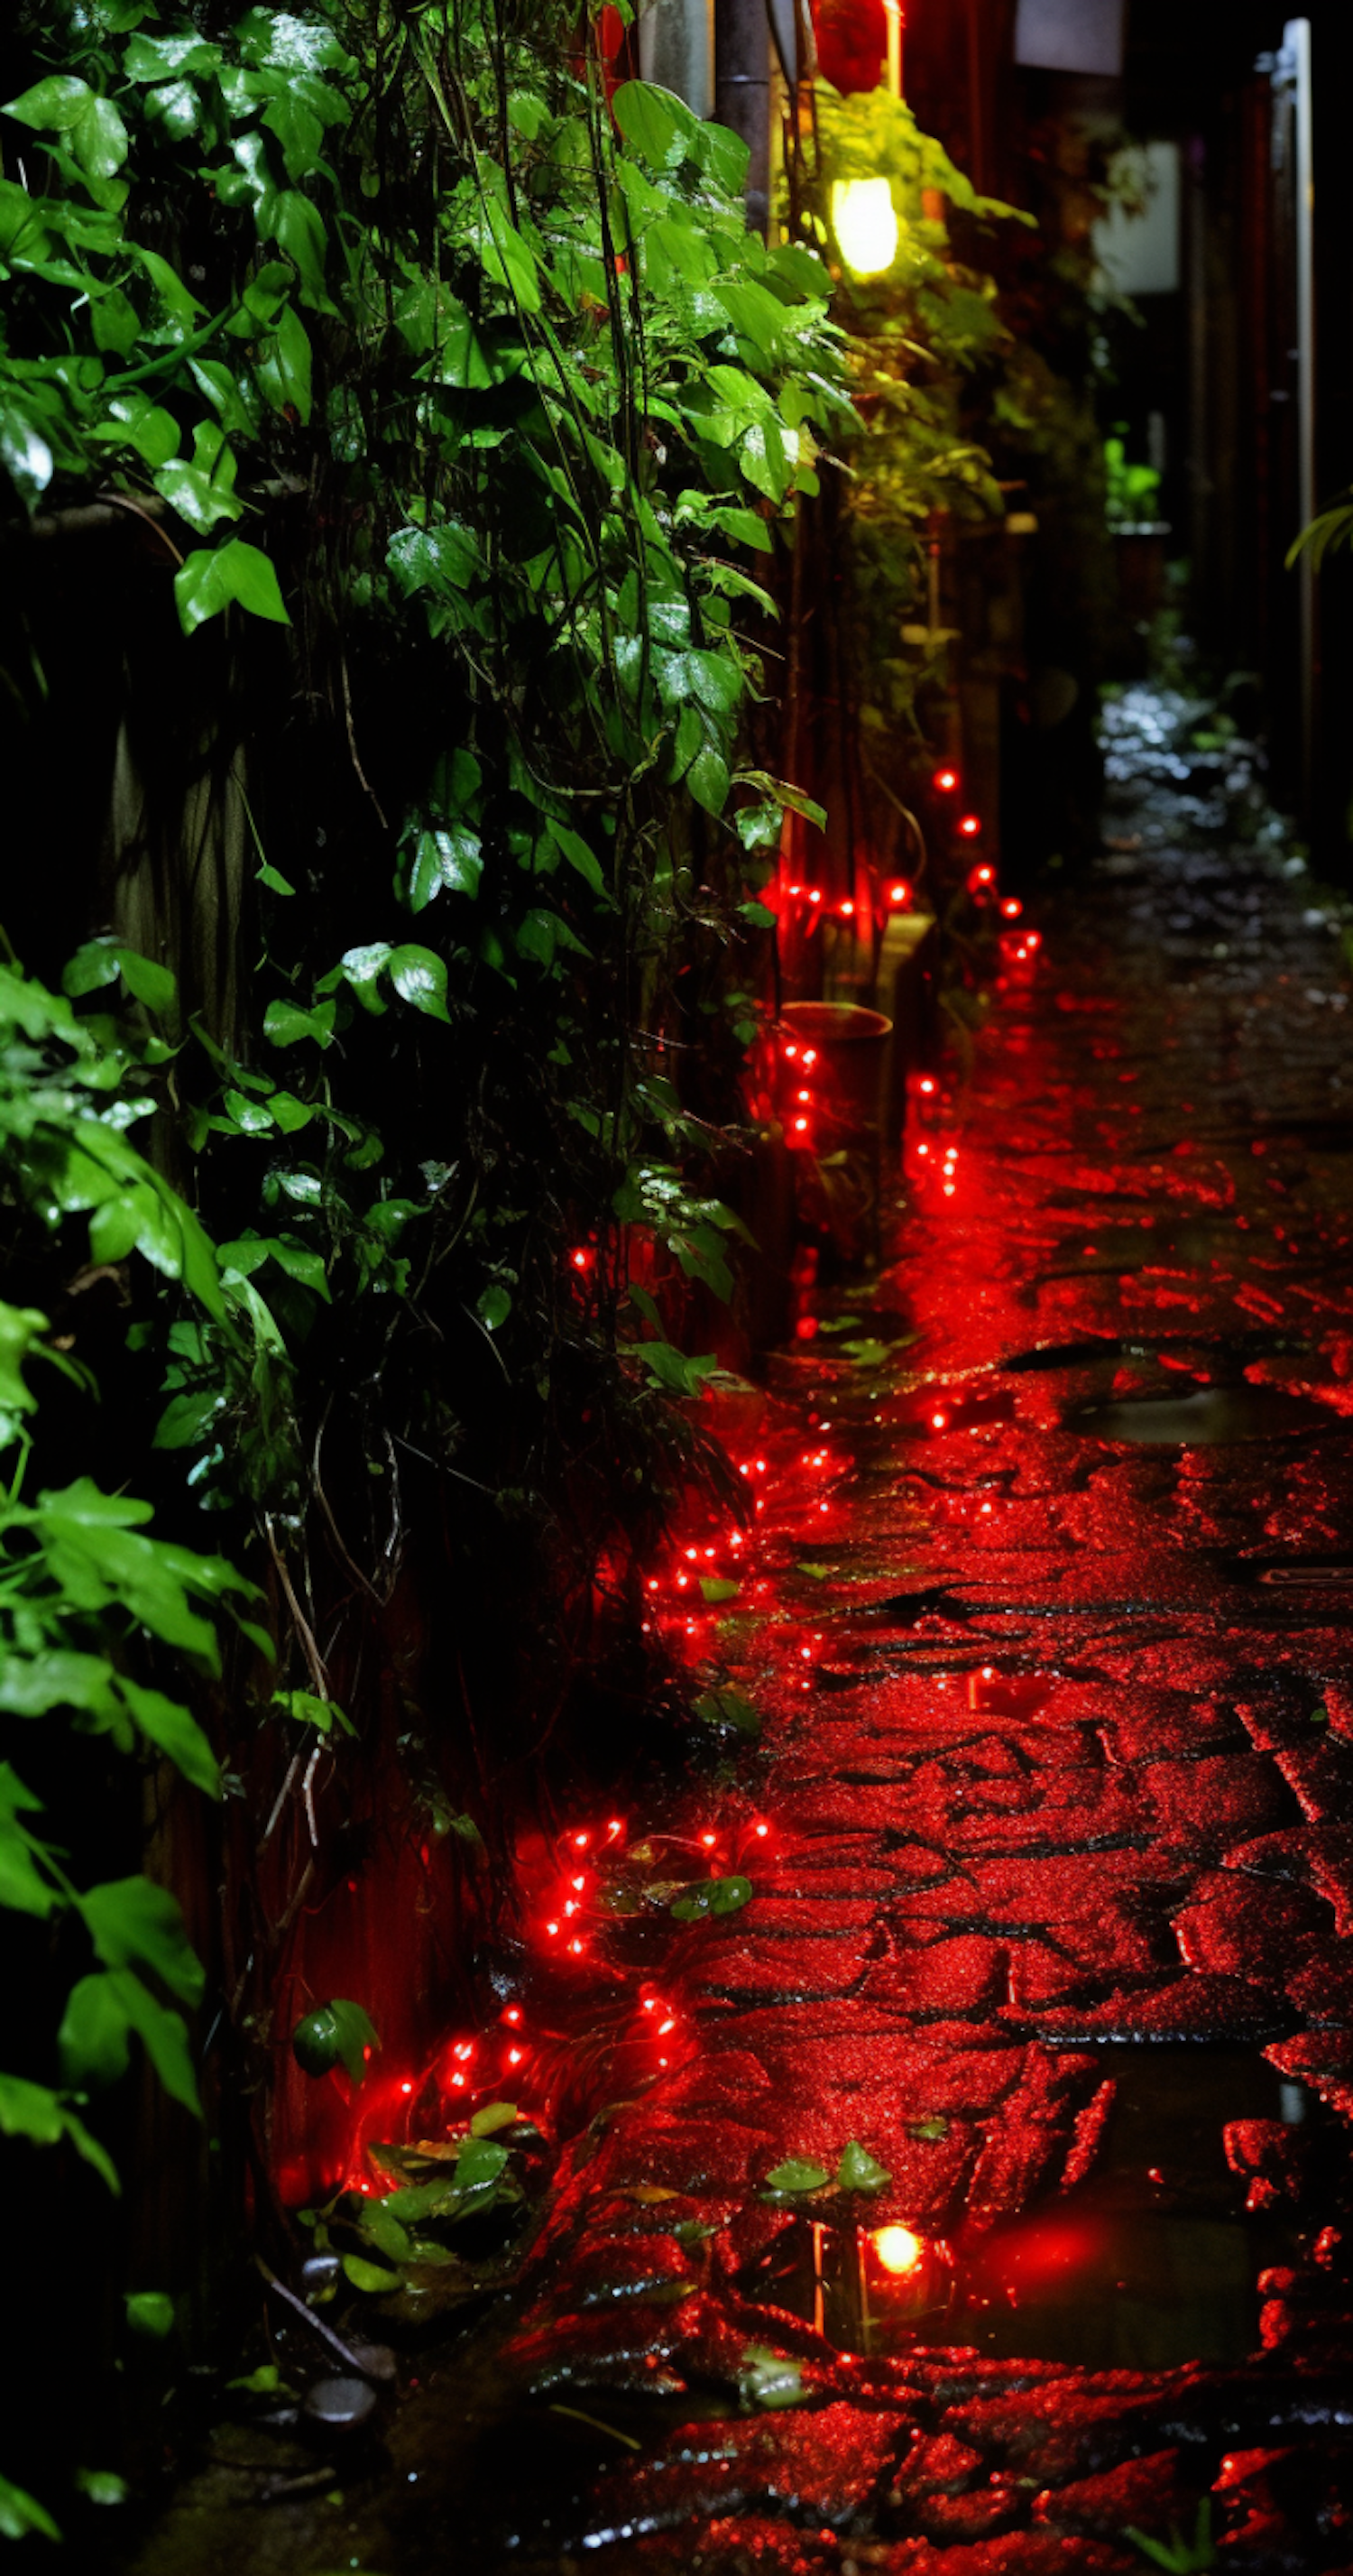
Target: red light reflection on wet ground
(1055,1781)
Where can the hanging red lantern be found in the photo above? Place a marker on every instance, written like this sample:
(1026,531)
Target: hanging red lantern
(852,43)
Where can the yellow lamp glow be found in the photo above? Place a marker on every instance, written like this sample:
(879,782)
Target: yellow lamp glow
(897,2249)
(865,223)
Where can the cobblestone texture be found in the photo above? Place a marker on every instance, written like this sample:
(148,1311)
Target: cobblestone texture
(1048,1775)
(1052,1910)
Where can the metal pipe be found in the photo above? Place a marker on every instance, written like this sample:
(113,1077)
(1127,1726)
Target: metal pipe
(742,93)
(894,15)
(1297,48)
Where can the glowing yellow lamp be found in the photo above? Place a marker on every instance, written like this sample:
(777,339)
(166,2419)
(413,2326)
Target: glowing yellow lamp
(865,222)
(898,2250)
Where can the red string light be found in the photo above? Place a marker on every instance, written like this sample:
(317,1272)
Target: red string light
(946,782)
(899,896)
(969,826)
(1012,907)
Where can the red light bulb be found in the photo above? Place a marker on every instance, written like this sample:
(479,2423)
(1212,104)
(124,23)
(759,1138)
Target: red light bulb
(899,896)
(945,782)
(1012,907)
(970,825)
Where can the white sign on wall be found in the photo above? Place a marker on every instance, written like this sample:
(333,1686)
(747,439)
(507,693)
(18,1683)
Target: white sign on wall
(1137,241)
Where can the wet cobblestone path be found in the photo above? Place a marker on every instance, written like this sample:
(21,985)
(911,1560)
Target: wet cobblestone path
(1049,1623)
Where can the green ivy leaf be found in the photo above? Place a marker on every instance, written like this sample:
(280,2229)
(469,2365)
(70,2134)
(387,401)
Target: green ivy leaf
(102,961)
(450,859)
(21,2513)
(708,779)
(102,2486)
(728,1708)
(768,2381)
(859,2171)
(372,2278)
(358,2038)
(150,2313)
(158,58)
(284,364)
(53,105)
(712,1896)
(285,1023)
(652,120)
(210,581)
(176,1732)
(493,2116)
(479,2163)
(204,491)
(35,2112)
(99,139)
(798,2174)
(419,978)
(307,1710)
(134,1924)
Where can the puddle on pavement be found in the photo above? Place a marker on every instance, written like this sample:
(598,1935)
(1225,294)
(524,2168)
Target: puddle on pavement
(1208,1417)
(1153,2261)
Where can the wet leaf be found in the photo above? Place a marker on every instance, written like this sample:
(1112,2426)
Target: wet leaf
(717,1588)
(134,1924)
(102,2486)
(494,2116)
(479,2162)
(712,1896)
(20,2512)
(213,578)
(728,1708)
(866,1354)
(859,2171)
(931,2129)
(370,2277)
(150,2313)
(357,2037)
(768,2380)
(798,2173)
(307,1710)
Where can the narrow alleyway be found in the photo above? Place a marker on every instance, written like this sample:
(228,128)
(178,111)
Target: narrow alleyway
(1048,1621)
